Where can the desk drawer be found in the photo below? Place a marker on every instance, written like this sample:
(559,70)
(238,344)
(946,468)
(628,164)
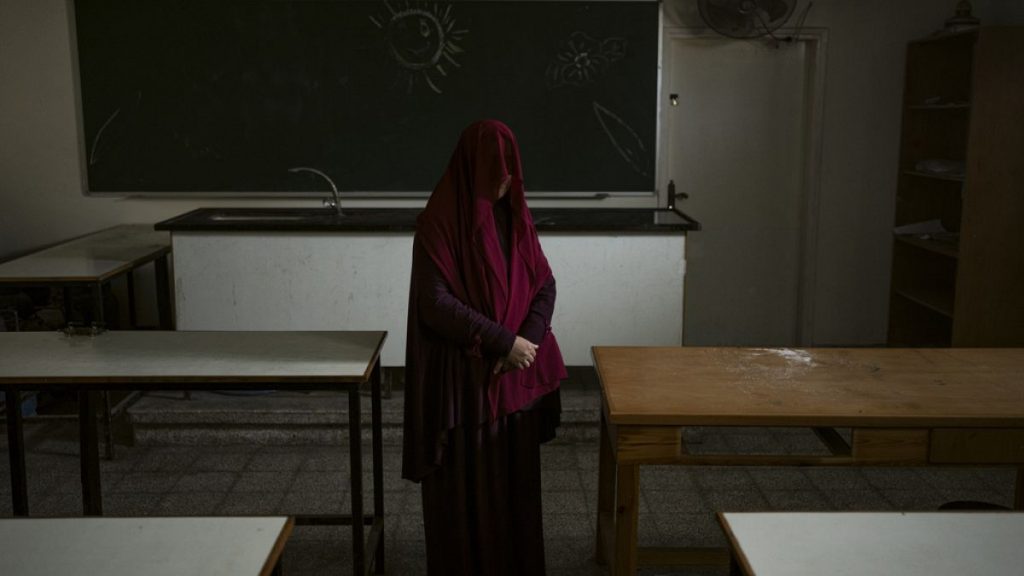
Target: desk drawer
(890,446)
(977,446)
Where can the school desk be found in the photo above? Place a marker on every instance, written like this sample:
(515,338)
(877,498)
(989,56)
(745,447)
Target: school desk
(94,260)
(903,407)
(248,546)
(856,543)
(182,360)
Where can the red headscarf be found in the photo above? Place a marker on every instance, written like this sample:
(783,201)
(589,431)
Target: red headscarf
(447,386)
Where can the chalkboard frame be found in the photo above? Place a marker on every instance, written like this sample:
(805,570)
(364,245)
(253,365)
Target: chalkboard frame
(315,185)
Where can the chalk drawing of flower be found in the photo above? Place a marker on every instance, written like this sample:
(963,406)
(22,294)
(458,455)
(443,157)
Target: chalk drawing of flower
(583,59)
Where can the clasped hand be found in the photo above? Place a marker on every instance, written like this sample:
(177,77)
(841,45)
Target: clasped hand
(522,354)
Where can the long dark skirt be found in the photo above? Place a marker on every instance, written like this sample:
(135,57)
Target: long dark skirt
(482,507)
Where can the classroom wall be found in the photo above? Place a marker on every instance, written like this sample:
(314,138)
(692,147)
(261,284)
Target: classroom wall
(860,154)
(41,200)
(1005,12)
(859,161)
(860,151)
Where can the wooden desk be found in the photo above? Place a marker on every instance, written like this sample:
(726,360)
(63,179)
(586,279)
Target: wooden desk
(160,360)
(150,546)
(94,260)
(904,407)
(855,543)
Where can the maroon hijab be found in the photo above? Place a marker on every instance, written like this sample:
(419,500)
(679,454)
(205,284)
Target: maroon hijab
(448,385)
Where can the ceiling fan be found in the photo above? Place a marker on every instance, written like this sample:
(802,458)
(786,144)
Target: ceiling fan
(748,18)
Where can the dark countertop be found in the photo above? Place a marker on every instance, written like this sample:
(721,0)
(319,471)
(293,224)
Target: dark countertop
(642,220)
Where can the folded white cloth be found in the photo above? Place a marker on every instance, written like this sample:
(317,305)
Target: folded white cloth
(945,167)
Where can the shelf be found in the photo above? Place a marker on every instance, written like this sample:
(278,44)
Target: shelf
(911,324)
(949,249)
(945,177)
(939,107)
(932,301)
(943,36)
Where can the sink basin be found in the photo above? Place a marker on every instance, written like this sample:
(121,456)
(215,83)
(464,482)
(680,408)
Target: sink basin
(668,217)
(255,217)
(357,219)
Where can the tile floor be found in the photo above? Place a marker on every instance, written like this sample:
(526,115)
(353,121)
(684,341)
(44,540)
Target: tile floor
(676,503)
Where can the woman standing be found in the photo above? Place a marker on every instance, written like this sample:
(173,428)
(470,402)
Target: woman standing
(482,366)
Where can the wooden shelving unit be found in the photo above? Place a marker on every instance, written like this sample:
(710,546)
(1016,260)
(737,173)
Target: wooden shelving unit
(963,102)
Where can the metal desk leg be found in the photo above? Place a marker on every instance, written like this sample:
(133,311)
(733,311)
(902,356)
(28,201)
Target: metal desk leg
(1018,494)
(92,497)
(378,466)
(163,293)
(16,451)
(99,316)
(97,303)
(130,279)
(356,470)
(605,493)
(108,426)
(66,304)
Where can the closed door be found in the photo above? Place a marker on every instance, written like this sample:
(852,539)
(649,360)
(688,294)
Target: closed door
(736,145)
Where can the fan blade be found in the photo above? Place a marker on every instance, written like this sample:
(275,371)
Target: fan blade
(732,18)
(732,5)
(776,9)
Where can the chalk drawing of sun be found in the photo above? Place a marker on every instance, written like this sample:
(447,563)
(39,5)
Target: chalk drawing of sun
(423,40)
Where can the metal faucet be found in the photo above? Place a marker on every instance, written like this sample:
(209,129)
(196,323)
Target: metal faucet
(672,195)
(334,201)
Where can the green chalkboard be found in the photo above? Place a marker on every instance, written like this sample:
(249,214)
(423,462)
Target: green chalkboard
(215,96)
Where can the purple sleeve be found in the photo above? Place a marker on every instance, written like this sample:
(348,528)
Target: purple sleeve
(447,316)
(538,319)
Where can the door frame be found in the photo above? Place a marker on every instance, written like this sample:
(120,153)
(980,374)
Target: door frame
(816,49)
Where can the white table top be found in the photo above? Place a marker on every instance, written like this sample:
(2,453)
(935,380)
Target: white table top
(91,258)
(135,546)
(178,356)
(863,543)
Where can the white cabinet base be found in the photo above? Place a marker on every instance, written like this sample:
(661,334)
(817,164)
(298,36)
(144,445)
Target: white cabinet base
(612,289)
